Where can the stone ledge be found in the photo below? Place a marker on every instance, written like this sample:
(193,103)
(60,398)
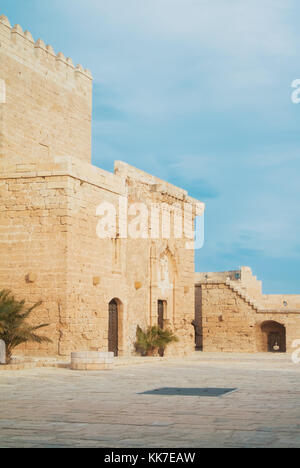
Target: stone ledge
(16,367)
(65,166)
(32,365)
(117,362)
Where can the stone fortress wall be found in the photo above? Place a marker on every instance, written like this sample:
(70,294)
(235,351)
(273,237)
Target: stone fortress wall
(49,195)
(235,316)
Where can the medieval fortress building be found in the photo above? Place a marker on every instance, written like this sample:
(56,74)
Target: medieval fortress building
(96,289)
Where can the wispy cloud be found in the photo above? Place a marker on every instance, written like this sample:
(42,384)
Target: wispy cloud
(197,92)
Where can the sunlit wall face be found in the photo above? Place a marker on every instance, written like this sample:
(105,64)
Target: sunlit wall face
(198,93)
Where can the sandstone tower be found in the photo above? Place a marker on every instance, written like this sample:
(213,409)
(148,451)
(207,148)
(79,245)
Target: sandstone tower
(48,100)
(95,291)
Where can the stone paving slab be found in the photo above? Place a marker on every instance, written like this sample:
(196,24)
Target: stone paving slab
(53,407)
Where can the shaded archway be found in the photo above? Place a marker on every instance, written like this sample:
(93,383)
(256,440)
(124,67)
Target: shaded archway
(273,337)
(115,326)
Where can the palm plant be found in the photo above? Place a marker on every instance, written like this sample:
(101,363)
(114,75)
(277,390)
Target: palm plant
(153,339)
(14,330)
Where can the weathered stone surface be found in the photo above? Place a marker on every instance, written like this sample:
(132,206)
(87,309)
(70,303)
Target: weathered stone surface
(233,315)
(50,194)
(41,118)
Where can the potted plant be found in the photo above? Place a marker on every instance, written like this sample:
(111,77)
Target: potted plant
(151,340)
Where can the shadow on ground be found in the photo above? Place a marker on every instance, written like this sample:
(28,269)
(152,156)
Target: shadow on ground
(200,392)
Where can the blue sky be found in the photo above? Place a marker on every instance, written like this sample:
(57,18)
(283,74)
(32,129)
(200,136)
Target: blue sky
(197,92)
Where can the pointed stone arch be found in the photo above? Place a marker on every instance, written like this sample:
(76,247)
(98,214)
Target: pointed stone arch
(170,256)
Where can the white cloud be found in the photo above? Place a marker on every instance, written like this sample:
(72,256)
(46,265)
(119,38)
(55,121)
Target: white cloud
(178,57)
(258,208)
(235,26)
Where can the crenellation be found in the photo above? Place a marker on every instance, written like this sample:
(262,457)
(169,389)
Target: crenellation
(48,100)
(16,31)
(61,58)
(5,21)
(17,37)
(69,61)
(50,50)
(28,36)
(5,32)
(40,44)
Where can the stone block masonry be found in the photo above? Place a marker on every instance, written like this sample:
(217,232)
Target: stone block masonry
(47,110)
(95,291)
(235,316)
(50,251)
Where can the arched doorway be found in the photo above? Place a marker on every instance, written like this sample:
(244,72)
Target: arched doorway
(274,337)
(113,326)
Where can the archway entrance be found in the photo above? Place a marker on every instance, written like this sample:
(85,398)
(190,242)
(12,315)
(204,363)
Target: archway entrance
(274,337)
(113,327)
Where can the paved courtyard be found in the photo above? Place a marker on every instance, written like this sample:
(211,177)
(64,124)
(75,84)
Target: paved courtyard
(208,400)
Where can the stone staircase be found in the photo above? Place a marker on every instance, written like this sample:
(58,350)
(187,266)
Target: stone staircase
(260,309)
(240,290)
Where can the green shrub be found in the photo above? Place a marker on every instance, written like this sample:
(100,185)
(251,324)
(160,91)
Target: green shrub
(13,327)
(153,339)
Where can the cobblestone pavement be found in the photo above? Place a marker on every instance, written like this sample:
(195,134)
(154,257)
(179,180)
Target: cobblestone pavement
(47,407)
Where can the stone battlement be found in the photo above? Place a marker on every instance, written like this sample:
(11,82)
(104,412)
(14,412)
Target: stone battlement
(37,53)
(46,105)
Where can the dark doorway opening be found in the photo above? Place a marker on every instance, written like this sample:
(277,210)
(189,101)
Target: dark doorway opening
(161,306)
(275,337)
(113,328)
(161,314)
